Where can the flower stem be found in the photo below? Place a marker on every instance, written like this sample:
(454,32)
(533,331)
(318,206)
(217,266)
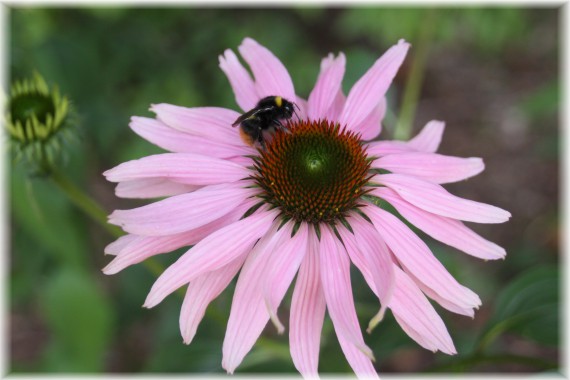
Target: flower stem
(414,84)
(84,202)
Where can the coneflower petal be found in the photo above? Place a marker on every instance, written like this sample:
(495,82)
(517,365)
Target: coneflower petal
(271,77)
(329,82)
(213,252)
(435,199)
(431,167)
(176,141)
(449,231)
(240,80)
(307,313)
(414,255)
(182,212)
(201,291)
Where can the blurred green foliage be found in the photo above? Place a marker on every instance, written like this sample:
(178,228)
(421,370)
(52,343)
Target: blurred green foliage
(114,62)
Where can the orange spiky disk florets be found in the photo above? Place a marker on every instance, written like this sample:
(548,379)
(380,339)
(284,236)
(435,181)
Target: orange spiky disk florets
(314,171)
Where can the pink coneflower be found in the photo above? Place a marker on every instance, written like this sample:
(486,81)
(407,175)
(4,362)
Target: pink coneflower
(307,205)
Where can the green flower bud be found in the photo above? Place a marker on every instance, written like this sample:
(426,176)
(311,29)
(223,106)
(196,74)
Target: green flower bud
(39,123)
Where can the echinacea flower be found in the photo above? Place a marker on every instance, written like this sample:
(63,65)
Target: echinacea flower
(309,204)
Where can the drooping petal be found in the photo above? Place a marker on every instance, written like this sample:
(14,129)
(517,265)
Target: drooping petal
(119,244)
(451,306)
(240,80)
(414,255)
(187,168)
(182,212)
(213,123)
(417,316)
(211,253)
(249,315)
(429,138)
(176,141)
(329,82)
(384,148)
(435,199)
(371,126)
(283,266)
(201,292)
(152,188)
(307,313)
(449,231)
(271,76)
(335,279)
(139,248)
(376,258)
(431,167)
(371,88)
(408,304)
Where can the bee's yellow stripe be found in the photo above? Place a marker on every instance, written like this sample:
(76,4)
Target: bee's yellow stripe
(278,101)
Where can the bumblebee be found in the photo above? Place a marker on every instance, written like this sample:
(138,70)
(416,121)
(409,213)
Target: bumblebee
(266,116)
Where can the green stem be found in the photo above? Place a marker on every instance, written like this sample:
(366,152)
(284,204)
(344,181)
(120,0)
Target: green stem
(477,359)
(84,202)
(414,83)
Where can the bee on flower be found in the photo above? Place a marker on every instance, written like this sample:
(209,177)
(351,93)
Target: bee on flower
(307,201)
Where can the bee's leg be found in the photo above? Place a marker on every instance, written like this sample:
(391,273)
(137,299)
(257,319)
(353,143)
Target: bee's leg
(278,124)
(260,139)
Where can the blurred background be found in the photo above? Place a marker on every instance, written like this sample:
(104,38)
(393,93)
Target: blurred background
(491,73)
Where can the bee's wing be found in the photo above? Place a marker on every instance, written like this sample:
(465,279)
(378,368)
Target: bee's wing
(249,114)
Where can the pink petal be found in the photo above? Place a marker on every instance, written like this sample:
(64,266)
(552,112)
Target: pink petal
(359,362)
(240,80)
(209,122)
(451,306)
(414,255)
(371,126)
(182,212)
(119,244)
(335,279)
(307,313)
(329,82)
(187,168)
(283,266)
(201,292)
(152,188)
(429,138)
(335,110)
(213,252)
(408,304)
(139,248)
(174,140)
(383,148)
(431,167)
(271,77)
(435,199)
(249,314)
(449,231)
(375,257)
(371,88)
(417,317)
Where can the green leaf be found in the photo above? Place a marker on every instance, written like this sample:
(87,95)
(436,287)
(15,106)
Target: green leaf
(528,306)
(80,319)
